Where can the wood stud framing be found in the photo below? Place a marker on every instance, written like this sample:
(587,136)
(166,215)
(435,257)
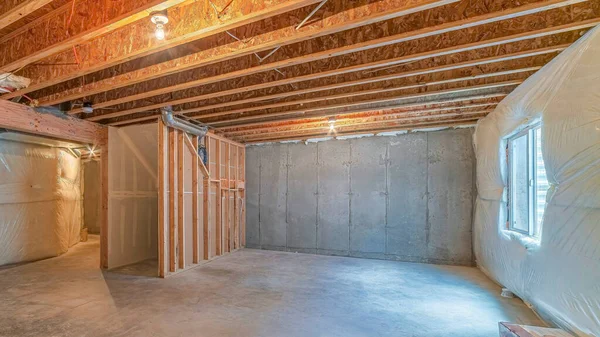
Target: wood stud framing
(261,71)
(216,217)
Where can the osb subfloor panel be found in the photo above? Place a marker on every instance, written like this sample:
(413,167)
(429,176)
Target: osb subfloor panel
(253,293)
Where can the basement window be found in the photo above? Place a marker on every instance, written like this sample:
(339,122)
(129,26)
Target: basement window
(527,185)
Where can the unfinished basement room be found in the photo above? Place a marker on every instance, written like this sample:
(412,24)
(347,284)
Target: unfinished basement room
(291,168)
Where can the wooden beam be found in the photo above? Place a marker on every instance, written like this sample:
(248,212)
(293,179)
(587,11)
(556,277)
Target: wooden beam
(374,131)
(227,198)
(349,118)
(325,114)
(304,111)
(70,25)
(190,21)
(218,213)
(163,198)
(180,202)
(104,182)
(351,93)
(341,15)
(368,80)
(206,204)
(194,151)
(47,123)
(13,12)
(362,44)
(324,128)
(172,200)
(195,206)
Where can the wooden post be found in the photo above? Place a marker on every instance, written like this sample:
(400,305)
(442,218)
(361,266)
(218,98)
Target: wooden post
(218,203)
(180,203)
(236,232)
(104,200)
(172,193)
(162,197)
(195,206)
(206,203)
(227,197)
(243,197)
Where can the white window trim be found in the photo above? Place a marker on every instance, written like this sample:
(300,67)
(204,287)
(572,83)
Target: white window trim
(533,228)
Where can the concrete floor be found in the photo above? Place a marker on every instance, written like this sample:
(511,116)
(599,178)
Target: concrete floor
(252,293)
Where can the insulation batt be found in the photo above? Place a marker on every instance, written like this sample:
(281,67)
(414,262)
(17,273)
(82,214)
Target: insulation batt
(558,275)
(40,202)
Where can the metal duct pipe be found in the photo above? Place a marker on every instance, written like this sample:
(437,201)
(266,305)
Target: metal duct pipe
(180,124)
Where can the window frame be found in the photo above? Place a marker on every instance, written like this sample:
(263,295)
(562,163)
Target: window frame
(532,197)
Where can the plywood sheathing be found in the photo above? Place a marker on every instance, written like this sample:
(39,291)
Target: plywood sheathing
(262,37)
(191,21)
(18,13)
(71,25)
(350,48)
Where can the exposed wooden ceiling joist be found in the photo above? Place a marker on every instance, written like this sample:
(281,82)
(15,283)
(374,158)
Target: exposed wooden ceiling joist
(71,25)
(191,21)
(14,10)
(454,123)
(340,16)
(423,106)
(353,44)
(246,70)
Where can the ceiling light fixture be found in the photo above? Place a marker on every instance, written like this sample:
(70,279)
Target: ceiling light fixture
(332,123)
(160,19)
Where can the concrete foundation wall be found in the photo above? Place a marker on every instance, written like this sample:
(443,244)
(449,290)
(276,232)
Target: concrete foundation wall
(406,197)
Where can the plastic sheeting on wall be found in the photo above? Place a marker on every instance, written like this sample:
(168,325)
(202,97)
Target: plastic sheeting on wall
(133,194)
(559,275)
(40,202)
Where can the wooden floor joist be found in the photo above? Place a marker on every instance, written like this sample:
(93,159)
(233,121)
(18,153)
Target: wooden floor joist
(189,22)
(69,26)
(270,70)
(392,98)
(13,12)
(361,16)
(456,123)
(359,46)
(466,100)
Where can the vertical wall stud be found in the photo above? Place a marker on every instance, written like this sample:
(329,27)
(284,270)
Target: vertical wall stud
(195,206)
(180,203)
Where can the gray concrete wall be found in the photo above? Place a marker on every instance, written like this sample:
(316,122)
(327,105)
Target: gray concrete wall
(406,197)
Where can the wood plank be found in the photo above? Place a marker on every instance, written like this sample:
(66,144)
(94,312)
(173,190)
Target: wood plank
(449,124)
(195,205)
(180,202)
(227,198)
(234,153)
(304,112)
(42,38)
(172,199)
(163,198)
(390,115)
(191,21)
(104,182)
(218,211)
(370,80)
(347,93)
(23,118)
(360,46)
(340,15)
(206,204)
(461,100)
(243,197)
(361,122)
(194,152)
(21,9)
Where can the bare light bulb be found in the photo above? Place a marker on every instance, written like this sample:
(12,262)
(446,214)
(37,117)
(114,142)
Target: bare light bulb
(160,32)
(331,126)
